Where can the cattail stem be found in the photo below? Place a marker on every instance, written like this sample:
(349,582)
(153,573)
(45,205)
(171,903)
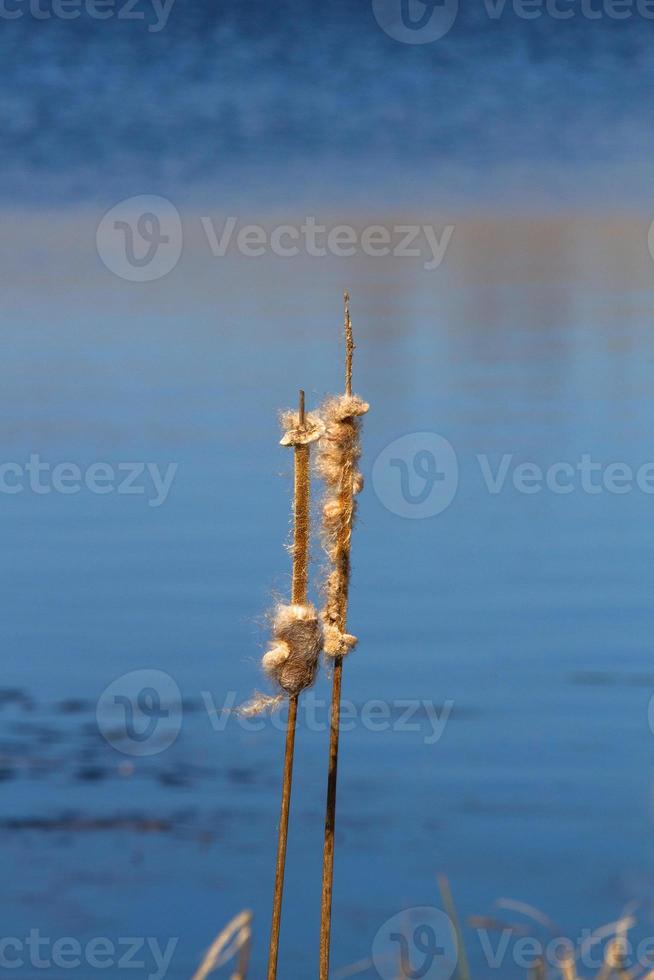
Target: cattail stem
(282,839)
(341,564)
(301,531)
(330,821)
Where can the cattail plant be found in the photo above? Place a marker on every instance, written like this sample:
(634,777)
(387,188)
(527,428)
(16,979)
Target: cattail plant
(299,633)
(291,662)
(338,455)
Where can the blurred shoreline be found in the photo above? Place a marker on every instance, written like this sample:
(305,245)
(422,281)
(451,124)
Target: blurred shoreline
(603,246)
(529,187)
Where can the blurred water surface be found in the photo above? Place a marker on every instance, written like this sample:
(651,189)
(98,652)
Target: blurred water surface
(296,99)
(530,612)
(523,620)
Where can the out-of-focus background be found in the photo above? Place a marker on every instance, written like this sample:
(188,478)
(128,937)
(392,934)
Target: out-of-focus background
(498,701)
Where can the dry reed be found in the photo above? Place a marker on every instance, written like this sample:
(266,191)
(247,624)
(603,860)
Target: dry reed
(299,634)
(463,968)
(338,453)
(614,965)
(235,938)
(291,661)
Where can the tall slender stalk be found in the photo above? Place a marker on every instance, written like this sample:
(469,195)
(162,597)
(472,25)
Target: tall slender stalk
(338,586)
(282,839)
(330,822)
(301,528)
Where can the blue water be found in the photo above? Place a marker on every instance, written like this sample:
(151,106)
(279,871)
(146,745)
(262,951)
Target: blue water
(241,98)
(531,613)
(524,620)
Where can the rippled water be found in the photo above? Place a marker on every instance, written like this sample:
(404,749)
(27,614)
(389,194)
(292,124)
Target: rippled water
(528,614)
(518,622)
